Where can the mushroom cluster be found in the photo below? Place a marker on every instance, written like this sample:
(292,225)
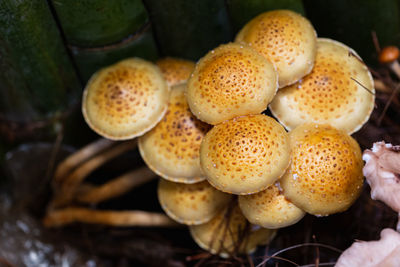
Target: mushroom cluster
(230,172)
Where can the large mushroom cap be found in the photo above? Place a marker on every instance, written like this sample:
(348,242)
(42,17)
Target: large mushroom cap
(230,81)
(125,100)
(175,71)
(229,233)
(171,149)
(245,155)
(191,203)
(286,38)
(333,93)
(270,209)
(325,175)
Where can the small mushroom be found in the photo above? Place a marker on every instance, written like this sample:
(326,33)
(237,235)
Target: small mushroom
(339,91)
(191,203)
(382,172)
(175,71)
(231,80)
(285,38)
(382,253)
(126,99)
(270,208)
(389,55)
(171,149)
(245,155)
(325,175)
(229,233)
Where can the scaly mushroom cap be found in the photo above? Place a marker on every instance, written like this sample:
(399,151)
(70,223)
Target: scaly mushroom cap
(270,209)
(229,233)
(171,149)
(191,203)
(125,100)
(245,155)
(231,81)
(175,71)
(286,38)
(325,175)
(332,93)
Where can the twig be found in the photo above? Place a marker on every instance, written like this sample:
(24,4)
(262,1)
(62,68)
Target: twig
(363,86)
(57,218)
(388,104)
(116,187)
(298,246)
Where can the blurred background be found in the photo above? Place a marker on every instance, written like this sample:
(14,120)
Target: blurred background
(48,51)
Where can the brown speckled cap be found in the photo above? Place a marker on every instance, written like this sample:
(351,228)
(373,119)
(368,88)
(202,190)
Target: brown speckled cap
(245,155)
(230,81)
(229,233)
(191,203)
(325,175)
(332,93)
(171,149)
(270,209)
(126,99)
(284,37)
(175,70)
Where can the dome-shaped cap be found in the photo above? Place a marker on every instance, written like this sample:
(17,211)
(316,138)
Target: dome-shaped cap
(325,175)
(245,155)
(332,93)
(229,233)
(285,38)
(230,81)
(270,209)
(175,70)
(191,203)
(125,100)
(171,149)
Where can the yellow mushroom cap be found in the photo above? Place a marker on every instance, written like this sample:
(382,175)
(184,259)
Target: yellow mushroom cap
(325,175)
(270,209)
(284,37)
(230,81)
(175,70)
(332,93)
(126,99)
(171,149)
(191,203)
(229,233)
(245,155)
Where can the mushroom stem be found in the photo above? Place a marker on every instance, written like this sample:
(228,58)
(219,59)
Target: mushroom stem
(72,181)
(74,160)
(395,67)
(379,85)
(58,218)
(115,187)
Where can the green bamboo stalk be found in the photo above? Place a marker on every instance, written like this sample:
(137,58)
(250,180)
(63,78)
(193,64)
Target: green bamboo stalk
(243,11)
(352,22)
(91,23)
(37,78)
(90,60)
(189,29)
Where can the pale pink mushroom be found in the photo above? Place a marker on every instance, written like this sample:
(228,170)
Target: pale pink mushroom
(382,171)
(384,252)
